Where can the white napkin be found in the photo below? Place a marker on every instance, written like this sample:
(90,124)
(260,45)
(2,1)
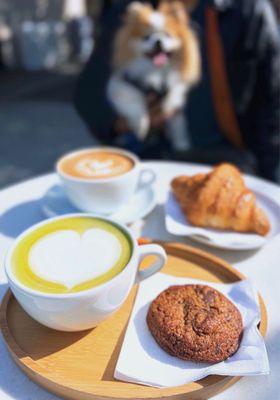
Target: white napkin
(141,360)
(177,224)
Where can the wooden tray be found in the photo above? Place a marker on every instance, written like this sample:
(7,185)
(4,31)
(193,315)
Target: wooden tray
(81,365)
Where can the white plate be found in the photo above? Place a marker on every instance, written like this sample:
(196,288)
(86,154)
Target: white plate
(177,224)
(55,203)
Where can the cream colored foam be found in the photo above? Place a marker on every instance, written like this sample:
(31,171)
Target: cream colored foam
(96,164)
(96,168)
(68,258)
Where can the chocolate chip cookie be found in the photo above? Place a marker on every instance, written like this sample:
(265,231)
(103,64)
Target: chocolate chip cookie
(195,323)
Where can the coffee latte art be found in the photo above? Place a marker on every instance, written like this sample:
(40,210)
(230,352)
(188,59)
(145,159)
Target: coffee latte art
(70,255)
(91,164)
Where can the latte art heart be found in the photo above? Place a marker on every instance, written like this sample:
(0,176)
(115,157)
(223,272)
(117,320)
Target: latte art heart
(71,254)
(90,164)
(69,258)
(100,168)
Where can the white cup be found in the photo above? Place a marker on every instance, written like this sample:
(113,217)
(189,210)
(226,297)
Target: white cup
(85,309)
(106,195)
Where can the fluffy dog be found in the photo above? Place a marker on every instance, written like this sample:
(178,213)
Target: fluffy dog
(154,50)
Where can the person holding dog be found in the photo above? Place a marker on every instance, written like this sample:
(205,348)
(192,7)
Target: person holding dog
(232,113)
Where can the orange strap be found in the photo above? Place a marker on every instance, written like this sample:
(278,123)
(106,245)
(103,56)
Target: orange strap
(221,93)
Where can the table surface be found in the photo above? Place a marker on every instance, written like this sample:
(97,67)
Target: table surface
(20,208)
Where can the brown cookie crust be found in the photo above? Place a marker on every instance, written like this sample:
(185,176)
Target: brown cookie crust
(195,323)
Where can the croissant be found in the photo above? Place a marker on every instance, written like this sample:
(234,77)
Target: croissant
(220,200)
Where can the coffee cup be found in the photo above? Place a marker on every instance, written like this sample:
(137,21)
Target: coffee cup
(79,309)
(102,179)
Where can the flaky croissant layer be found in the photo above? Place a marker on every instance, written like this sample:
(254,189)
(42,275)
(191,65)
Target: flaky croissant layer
(220,200)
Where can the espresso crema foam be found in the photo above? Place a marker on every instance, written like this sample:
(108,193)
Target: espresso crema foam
(96,164)
(71,255)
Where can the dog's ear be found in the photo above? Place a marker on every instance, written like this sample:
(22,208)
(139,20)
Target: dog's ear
(179,11)
(134,8)
(137,10)
(190,4)
(175,8)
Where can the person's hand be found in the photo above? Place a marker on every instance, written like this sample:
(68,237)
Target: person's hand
(120,126)
(157,116)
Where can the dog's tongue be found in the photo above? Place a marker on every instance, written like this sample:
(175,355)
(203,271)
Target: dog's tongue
(160,59)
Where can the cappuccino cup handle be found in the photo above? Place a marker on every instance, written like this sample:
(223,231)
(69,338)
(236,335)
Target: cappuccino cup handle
(150,250)
(147,177)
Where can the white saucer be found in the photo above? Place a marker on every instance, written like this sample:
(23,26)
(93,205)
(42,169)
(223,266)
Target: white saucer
(177,224)
(55,203)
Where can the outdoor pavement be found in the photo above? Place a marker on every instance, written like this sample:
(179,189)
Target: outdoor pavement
(38,123)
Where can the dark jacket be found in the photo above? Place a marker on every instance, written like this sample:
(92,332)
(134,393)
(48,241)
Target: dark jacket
(251,42)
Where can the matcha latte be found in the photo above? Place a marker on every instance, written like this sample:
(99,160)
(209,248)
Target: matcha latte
(70,255)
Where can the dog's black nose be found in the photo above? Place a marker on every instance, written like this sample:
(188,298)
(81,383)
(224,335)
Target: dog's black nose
(158,45)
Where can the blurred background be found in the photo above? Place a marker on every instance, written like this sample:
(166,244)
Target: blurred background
(44,46)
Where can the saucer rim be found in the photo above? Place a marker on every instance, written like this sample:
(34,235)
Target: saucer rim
(143,212)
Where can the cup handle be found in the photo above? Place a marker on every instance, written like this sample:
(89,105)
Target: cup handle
(151,177)
(150,250)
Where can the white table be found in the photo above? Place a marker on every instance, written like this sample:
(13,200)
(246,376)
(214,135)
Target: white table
(20,208)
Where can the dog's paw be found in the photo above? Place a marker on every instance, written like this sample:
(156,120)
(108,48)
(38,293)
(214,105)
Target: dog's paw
(170,105)
(140,126)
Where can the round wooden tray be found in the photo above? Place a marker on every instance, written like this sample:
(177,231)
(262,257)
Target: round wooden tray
(81,365)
